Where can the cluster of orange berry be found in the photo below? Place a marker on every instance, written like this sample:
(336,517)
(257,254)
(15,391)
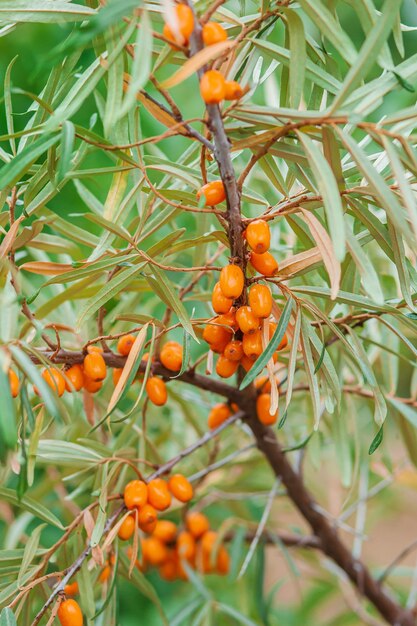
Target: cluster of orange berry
(213,86)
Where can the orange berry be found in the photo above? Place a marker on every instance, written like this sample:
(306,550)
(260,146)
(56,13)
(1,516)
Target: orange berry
(71,589)
(95,366)
(147,518)
(247,320)
(74,378)
(105,574)
(260,300)
(92,348)
(165,531)
(252,344)
(135,494)
(263,403)
(14,383)
(124,345)
(246,363)
(216,335)
(69,613)
(228,319)
(197,523)
(226,368)
(156,390)
(213,33)
(186,545)
(91,385)
(284,341)
(218,414)
(180,488)
(233,90)
(213,192)
(263,383)
(54,379)
(154,551)
(223,561)
(220,303)
(127,528)
(234,350)
(258,236)
(168,569)
(158,494)
(117,372)
(171,356)
(212,87)
(208,541)
(185,20)
(232,281)
(264,263)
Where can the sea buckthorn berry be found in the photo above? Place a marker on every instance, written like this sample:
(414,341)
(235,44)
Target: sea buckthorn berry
(14,383)
(185,19)
(92,386)
(92,348)
(154,551)
(247,320)
(105,574)
(165,531)
(213,192)
(284,341)
(186,545)
(197,523)
(264,263)
(74,378)
(228,319)
(260,300)
(171,356)
(147,518)
(212,87)
(127,528)
(232,281)
(252,344)
(247,363)
(263,384)
(158,494)
(226,368)
(180,488)
(95,366)
(135,494)
(69,613)
(124,345)
(220,303)
(156,390)
(218,414)
(71,589)
(168,570)
(234,350)
(223,561)
(117,372)
(215,334)
(54,379)
(258,236)
(213,33)
(208,541)
(233,91)
(263,403)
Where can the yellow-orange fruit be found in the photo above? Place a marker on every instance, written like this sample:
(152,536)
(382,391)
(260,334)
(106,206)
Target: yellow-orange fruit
(197,523)
(220,303)
(117,372)
(185,19)
(233,91)
(218,414)
(69,613)
(284,341)
(171,356)
(247,363)
(226,368)
(234,350)
(147,518)
(213,192)
(92,348)
(213,33)
(165,531)
(156,390)
(105,574)
(186,545)
(263,384)
(154,551)
(212,87)
(208,541)
(124,345)
(247,320)
(54,379)
(74,378)
(168,569)
(260,300)
(92,386)
(258,236)
(252,344)
(158,494)
(127,528)
(180,488)
(264,263)
(232,281)
(228,319)
(71,589)
(263,402)
(14,383)
(223,561)
(216,335)
(95,366)
(135,494)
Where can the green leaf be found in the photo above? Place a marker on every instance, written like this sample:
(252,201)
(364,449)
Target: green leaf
(7,617)
(237,616)
(377,440)
(67,146)
(276,339)
(298,56)
(8,428)
(28,504)
(43,11)
(306,331)
(30,551)
(32,372)
(15,169)
(144,586)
